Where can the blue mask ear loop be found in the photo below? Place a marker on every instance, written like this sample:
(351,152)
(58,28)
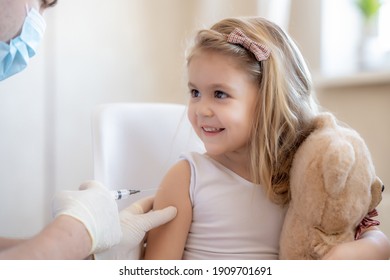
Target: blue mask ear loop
(33,29)
(36,15)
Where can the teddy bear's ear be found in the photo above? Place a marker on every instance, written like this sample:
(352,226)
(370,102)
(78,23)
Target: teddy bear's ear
(325,120)
(376,193)
(337,163)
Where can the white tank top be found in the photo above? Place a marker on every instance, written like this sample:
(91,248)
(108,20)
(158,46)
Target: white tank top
(232,217)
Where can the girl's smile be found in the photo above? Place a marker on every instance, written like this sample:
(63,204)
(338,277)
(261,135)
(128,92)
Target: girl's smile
(212,130)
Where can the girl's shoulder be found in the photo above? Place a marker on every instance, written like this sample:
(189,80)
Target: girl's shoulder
(174,185)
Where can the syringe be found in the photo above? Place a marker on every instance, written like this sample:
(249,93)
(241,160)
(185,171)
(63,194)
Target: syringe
(124,193)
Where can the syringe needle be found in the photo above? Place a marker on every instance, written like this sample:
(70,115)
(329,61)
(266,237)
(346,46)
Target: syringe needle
(125,193)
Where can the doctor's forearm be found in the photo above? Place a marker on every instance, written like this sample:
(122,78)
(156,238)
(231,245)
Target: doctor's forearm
(64,238)
(6,243)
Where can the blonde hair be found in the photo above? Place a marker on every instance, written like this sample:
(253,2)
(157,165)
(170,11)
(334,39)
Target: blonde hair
(285,104)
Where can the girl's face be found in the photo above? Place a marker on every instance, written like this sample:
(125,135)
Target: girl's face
(222,102)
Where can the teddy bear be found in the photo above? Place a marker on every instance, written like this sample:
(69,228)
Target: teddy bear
(333,187)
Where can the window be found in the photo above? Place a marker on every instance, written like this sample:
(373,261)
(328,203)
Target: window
(383,27)
(343,47)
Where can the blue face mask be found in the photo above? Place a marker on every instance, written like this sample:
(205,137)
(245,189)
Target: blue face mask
(15,56)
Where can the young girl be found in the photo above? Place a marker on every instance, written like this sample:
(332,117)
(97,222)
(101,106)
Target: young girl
(251,104)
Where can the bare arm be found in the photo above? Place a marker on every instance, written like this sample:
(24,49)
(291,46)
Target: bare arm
(64,238)
(168,241)
(373,245)
(6,243)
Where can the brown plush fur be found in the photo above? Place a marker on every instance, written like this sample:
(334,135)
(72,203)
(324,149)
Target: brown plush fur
(333,186)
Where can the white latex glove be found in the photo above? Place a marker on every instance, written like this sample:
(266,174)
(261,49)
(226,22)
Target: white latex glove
(95,207)
(135,224)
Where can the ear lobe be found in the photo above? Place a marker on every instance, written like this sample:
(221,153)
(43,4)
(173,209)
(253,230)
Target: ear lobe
(336,165)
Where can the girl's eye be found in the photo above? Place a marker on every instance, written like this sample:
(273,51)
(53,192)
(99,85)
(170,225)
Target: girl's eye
(194,93)
(220,94)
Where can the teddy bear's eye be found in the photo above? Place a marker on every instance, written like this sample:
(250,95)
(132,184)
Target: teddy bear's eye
(383,188)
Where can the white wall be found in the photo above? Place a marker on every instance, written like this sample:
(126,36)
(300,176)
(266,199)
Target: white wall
(22,152)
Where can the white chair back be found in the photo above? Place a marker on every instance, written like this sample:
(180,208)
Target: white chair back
(134,144)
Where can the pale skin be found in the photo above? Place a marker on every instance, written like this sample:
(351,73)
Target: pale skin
(65,237)
(373,245)
(220,110)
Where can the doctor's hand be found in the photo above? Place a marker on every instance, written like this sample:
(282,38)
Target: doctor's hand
(94,206)
(136,221)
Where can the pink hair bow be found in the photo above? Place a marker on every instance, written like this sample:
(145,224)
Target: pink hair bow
(260,51)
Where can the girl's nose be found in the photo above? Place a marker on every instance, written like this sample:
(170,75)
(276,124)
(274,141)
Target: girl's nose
(204,110)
